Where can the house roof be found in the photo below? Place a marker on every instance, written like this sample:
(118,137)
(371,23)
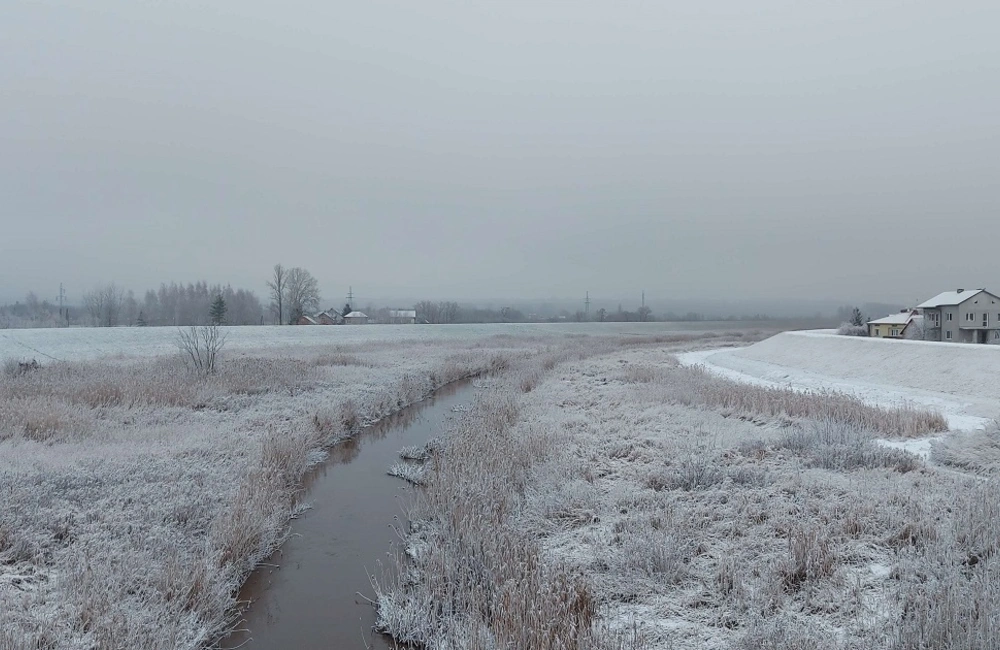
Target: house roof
(356,314)
(330,312)
(949,298)
(901,318)
(310,319)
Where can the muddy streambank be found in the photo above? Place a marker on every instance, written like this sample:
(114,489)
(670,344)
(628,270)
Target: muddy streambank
(305,595)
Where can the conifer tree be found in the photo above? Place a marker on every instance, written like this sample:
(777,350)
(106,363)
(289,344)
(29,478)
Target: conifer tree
(218,311)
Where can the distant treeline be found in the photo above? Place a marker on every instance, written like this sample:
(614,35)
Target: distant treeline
(112,306)
(178,304)
(452,312)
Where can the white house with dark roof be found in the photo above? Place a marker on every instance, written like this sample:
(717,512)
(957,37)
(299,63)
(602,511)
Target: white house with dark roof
(962,316)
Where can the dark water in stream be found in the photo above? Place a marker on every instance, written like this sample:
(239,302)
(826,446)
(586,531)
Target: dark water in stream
(310,601)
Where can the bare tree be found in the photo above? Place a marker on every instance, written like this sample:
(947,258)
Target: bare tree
(277,287)
(644,313)
(301,293)
(428,311)
(449,312)
(104,304)
(130,309)
(200,347)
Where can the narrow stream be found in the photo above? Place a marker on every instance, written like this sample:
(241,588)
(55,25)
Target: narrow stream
(310,601)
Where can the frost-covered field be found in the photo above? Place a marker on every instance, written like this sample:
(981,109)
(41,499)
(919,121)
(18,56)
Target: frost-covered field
(77,344)
(625,501)
(136,497)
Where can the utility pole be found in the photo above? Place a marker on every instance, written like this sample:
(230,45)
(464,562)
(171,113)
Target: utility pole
(643,298)
(586,305)
(350,297)
(62,299)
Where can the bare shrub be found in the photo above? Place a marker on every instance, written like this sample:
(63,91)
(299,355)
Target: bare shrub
(200,347)
(846,329)
(13,368)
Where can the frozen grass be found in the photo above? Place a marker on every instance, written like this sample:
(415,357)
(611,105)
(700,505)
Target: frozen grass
(411,472)
(696,386)
(974,451)
(473,576)
(677,520)
(137,496)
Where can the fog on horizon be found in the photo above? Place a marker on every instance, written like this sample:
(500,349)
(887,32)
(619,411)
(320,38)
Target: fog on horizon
(445,149)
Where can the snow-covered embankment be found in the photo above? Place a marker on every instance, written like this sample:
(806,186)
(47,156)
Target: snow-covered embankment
(957,380)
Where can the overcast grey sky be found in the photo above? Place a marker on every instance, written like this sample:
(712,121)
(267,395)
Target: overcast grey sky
(443,148)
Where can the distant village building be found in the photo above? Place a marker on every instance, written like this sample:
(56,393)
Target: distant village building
(893,326)
(402,316)
(962,316)
(306,320)
(329,317)
(356,318)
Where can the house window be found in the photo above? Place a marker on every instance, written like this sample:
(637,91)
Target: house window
(948,335)
(895,332)
(949,316)
(996,334)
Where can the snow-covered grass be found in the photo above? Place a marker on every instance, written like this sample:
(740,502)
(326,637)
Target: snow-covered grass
(974,451)
(136,496)
(599,510)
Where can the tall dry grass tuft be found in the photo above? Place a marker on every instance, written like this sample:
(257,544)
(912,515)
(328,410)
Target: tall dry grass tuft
(695,386)
(974,451)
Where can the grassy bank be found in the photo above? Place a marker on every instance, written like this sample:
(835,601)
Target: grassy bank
(137,496)
(620,501)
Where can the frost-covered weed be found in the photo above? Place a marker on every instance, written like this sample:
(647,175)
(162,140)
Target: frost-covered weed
(833,445)
(974,451)
(410,472)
